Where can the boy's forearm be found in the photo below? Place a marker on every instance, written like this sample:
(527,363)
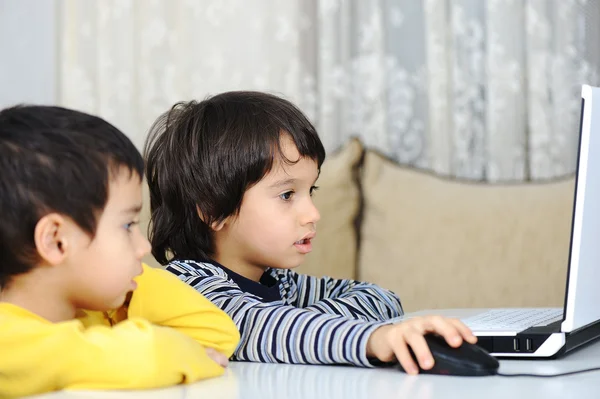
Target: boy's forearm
(163,299)
(303,337)
(133,354)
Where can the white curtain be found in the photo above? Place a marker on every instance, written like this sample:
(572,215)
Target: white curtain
(482,90)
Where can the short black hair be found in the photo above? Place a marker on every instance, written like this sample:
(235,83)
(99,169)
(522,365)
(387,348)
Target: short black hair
(203,156)
(54,159)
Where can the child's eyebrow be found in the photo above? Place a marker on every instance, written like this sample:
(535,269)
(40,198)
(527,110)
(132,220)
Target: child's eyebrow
(133,209)
(284,182)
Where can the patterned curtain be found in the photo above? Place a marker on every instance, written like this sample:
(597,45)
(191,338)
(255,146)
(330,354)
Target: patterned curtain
(482,90)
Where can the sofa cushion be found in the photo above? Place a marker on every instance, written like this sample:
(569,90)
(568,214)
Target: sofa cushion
(334,249)
(446,244)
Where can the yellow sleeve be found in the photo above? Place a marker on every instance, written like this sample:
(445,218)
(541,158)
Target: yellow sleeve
(40,357)
(163,299)
(135,354)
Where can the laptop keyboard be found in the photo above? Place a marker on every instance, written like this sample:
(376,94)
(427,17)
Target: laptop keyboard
(512,319)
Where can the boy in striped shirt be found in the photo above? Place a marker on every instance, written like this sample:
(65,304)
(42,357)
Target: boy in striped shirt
(231,181)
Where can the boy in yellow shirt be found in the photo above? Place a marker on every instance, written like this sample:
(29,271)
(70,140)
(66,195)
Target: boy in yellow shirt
(78,310)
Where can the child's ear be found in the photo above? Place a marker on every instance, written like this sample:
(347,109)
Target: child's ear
(50,238)
(215,226)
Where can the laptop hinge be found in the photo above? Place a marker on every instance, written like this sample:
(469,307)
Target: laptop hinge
(582,336)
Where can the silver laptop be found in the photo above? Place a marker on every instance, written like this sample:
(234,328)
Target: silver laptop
(551,332)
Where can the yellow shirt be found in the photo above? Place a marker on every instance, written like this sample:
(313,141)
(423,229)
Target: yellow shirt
(138,347)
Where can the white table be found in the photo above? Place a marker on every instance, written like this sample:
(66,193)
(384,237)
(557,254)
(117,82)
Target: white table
(281,381)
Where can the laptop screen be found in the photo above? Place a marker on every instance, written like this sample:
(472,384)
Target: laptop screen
(582,299)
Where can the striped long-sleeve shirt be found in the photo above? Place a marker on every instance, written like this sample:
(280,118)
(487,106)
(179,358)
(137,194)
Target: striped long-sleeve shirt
(316,321)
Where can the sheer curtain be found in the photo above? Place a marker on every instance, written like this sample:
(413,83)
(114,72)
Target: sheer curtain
(482,90)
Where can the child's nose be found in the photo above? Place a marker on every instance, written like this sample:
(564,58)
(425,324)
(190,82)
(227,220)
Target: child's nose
(143,247)
(311,214)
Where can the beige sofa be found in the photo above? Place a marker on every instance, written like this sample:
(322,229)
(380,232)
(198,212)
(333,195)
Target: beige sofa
(437,242)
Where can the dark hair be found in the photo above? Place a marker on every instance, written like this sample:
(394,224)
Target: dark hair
(201,157)
(54,159)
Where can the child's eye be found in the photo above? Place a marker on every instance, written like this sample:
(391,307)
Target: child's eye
(313,189)
(286,196)
(129,225)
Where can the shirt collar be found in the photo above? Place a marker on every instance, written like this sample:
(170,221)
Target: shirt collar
(266,288)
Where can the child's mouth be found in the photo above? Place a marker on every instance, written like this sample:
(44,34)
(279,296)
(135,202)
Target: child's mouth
(304,246)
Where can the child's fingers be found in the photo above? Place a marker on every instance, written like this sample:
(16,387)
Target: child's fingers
(447,329)
(400,349)
(217,357)
(465,331)
(415,339)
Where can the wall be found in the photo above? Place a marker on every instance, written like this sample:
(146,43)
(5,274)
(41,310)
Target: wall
(28,51)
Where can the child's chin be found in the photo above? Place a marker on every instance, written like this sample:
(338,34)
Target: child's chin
(290,265)
(119,302)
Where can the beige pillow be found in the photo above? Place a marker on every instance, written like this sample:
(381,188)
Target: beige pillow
(334,248)
(448,244)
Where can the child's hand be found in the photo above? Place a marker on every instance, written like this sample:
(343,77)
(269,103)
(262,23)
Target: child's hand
(217,357)
(392,341)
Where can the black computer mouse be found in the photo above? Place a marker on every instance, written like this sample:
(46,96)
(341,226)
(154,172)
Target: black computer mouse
(466,360)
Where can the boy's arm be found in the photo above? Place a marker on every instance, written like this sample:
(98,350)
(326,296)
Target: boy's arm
(275,333)
(134,354)
(163,299)
(348,298)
